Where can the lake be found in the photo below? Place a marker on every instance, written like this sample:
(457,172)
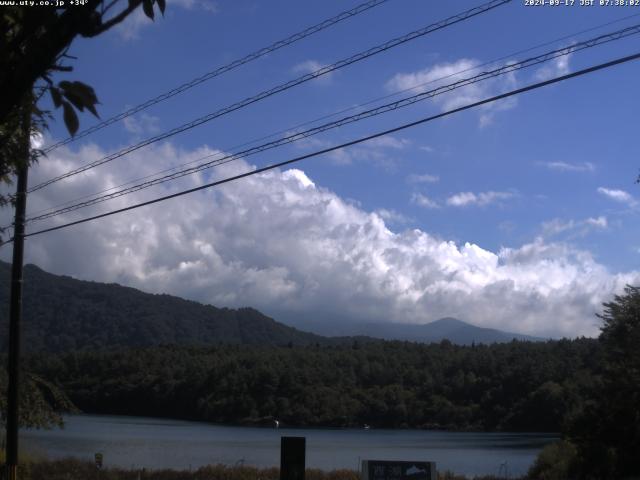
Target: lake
(159,443)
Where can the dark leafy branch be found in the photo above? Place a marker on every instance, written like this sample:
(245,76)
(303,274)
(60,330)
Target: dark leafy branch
(34,44)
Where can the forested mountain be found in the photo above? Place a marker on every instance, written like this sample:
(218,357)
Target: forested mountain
(63,314)
(452,329)
(510,386)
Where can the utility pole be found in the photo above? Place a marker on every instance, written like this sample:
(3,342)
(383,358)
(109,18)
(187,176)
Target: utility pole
(15,312)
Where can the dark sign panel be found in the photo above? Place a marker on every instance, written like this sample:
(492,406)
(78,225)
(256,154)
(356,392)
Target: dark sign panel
(292,458)
(397,470)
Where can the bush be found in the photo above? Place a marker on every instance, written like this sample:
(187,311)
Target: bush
(555,462)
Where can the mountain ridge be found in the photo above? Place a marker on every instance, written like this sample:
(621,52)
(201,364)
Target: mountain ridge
(447,328)
(62,313)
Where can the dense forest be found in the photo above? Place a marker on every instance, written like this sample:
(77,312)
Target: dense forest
(514,386)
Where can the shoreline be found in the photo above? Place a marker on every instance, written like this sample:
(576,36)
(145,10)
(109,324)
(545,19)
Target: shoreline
(266,425)
(160,443)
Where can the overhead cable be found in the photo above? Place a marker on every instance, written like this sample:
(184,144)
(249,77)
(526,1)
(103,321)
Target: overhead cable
(282,87)
(405,102)
(339,112)
(495,98)
(363,7)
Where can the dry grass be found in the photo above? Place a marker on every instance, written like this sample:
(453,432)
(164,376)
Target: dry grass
(72,469)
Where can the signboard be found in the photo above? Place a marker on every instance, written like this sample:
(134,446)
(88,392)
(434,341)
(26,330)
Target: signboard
(398,470)
(98,457)
(292,458)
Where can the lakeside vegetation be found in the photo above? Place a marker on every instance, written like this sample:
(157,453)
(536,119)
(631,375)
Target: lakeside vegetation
(72,469)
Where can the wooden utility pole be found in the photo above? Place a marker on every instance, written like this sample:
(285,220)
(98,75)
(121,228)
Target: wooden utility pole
(15,312)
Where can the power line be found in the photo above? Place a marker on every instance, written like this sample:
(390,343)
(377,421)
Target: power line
(405,102)
(527,88)
(334,114)
(285,86)
(224,69)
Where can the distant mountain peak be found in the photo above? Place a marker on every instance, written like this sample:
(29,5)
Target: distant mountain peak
(448,321)
(447,328)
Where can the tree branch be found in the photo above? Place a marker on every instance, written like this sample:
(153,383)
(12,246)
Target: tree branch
(133,4)
(39,55)
(108,7)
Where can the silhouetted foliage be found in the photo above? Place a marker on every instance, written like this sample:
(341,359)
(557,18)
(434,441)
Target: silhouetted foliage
(34,43)
(73,469)
(607,429)
(41,402)
(555,462)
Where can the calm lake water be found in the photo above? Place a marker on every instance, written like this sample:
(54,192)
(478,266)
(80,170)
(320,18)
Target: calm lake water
(158,443)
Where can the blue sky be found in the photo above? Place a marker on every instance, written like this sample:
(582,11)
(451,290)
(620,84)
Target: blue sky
(530,201)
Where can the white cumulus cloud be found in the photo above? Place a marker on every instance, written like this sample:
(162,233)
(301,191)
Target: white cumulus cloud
(422,178)
(569,167)
(557,67)
(378,151)
(312,66)
(575,227)
(449,72)
(618,196)
(423,201)
(143,124)
(393,217)
(297,251)
(599,222)
(464,199)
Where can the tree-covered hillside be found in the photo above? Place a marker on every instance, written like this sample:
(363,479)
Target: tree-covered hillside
(64,314)
(514,386)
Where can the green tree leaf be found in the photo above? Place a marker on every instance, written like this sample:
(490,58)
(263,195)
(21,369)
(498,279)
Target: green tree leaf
(55,96)
(81,95)
(147,6)
(70,118)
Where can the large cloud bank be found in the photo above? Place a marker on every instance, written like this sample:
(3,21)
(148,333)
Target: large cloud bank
(284,245)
